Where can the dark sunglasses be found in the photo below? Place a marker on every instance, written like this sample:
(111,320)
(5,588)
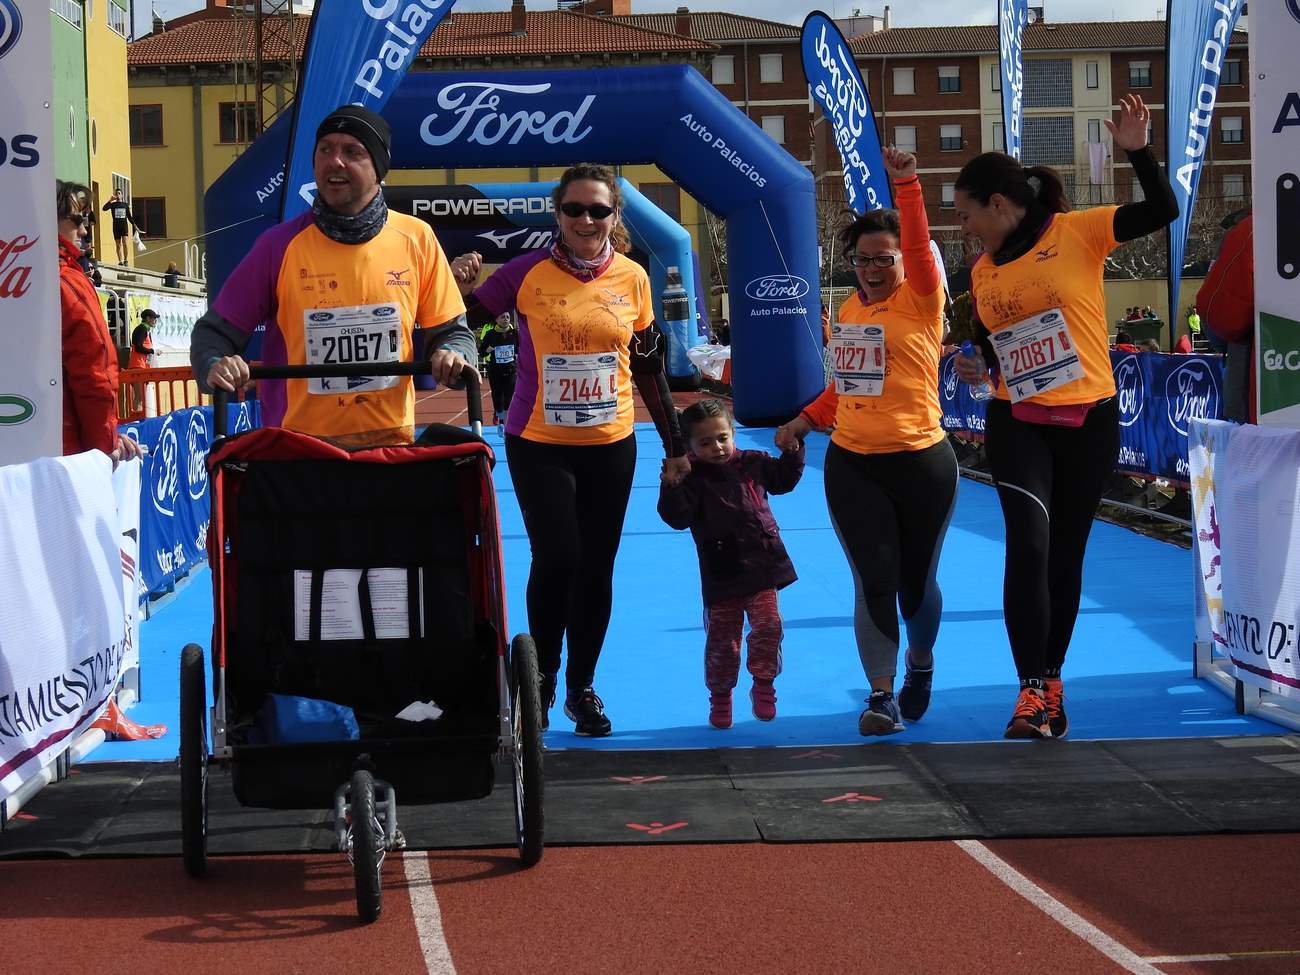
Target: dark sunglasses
(78,219)
(598,211)
(880,260)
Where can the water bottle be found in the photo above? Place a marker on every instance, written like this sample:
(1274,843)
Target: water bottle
(983,390)
(678,324)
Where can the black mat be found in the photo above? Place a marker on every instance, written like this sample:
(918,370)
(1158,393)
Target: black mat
(873,791)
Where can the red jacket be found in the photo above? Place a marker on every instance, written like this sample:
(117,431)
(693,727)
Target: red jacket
(89,361)
(1226,300)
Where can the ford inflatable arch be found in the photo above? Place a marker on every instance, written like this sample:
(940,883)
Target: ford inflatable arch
(669,116)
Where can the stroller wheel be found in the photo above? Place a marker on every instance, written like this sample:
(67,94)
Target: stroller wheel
(526,705)
(367,846)
(194,762)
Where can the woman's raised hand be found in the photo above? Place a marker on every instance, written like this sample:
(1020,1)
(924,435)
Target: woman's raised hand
(899,165)
(1130,130)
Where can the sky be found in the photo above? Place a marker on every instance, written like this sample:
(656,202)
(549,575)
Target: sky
(904,13)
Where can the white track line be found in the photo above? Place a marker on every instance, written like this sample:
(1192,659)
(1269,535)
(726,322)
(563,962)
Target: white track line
(1049,905)
(427,915)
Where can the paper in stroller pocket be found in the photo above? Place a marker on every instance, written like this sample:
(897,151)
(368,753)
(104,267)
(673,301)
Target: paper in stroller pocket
(286,720)
(420,711)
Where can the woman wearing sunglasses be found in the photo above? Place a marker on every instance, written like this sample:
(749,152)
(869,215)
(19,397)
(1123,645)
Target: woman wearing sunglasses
(890,474)
(586,334)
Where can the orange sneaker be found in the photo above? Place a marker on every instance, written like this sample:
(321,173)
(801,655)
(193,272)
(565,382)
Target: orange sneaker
(1055,700)
(1029,719)
(118,725)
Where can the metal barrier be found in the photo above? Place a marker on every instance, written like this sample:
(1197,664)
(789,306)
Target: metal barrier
(157,392)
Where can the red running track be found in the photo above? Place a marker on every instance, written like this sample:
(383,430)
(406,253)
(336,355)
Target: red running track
(1107,905)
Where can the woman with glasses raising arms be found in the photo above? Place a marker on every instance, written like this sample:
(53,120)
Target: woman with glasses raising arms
(586,334)
(890,474)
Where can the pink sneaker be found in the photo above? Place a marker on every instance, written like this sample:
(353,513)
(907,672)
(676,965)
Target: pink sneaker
(720,711)
(763,698)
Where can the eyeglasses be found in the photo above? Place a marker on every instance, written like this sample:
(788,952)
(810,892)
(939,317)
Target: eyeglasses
(880,260)
(78,219)
(598,211)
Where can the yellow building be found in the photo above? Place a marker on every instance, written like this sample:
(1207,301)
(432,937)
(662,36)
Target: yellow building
(193,105)
(105,25)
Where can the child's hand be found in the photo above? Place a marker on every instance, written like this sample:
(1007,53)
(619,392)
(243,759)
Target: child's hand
(674,470)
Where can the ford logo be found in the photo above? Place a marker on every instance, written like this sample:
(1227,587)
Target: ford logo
(875,331)
(777,287)
(1051,318)
(11,26)
(385,311)
(1191,392)
(196,468)
(164,473)
(607,360)
(1130,389)
(836,329)
(948,379)
(1000,336)
(556,360)
(321,316)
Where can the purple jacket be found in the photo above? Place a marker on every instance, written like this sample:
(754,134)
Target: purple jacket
(725,507)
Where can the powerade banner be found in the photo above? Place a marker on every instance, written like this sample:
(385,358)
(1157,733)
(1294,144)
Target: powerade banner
(1199,31)
(358,52)
(174,501)
(1159,395)
(837,87)
(1012,17)
(685,126)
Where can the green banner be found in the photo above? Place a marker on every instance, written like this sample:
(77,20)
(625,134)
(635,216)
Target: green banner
(1279,363)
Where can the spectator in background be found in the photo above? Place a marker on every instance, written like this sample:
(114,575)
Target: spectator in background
(96,278)
(1150,345)
(1228,297)
(1149,312)
(1124,342)
(724,332)
(1193,321)
(141,344)
(123,222)
(89,359)
(1133,314)
(172,276)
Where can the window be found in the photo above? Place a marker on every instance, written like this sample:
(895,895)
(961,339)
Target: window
(1094,130)
(1139,74)
(774,125)
(116,19)
(905,137)
(771,68)
(1231,73)
(1234,186)
(995,77)
(238,121)
(946,192)
(151,214)
(724,69)
(1049,83)
(1048,140)
(1230,129)
(1091,74)
(146,125)
(666,196)
(69,10)
(904,81)
(949,79)
(999,139)
(949,138)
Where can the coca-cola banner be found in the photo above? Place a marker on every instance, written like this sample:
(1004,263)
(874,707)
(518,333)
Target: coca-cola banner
(30,383)
(1159,395)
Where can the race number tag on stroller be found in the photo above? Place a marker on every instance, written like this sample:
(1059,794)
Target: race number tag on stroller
(580,390)
(858,354)
(346,336)
(1037,354)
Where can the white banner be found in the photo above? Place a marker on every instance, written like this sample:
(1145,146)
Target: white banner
(62,626)
(1275,151)
(1245,483)
(126,495)
(31,404)
(176,317)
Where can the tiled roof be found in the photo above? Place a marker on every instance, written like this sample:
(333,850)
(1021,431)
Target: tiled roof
(713,26)
(223,38)
(1106,35)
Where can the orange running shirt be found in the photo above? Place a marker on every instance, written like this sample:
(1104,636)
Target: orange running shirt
(1062,272)
(574,376)
(326,302)
(905,415)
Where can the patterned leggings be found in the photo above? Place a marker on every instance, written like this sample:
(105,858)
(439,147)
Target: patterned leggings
(724,623)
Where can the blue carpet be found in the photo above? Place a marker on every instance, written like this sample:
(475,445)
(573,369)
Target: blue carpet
(1128,674)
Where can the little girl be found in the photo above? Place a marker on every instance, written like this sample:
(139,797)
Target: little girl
(723,501)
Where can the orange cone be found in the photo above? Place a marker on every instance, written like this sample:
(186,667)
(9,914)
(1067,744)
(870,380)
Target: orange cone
(119,726)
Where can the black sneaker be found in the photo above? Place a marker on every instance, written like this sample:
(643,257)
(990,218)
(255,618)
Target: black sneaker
(546,694)
(587,711)
(881,716)
(914,695)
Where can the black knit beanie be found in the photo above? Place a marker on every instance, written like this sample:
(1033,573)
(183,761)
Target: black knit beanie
(367,127)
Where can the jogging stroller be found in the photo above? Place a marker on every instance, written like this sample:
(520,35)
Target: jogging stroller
(350,587)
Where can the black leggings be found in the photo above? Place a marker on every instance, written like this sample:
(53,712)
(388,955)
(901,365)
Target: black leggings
(891,513)
(1049,480)
(502,382)
(573,499)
